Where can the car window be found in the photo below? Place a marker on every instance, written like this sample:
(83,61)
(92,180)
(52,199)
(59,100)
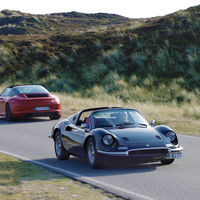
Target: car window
(138,117)
(72,118)
(28,89)
(83,118)
(117,117)
(6,92)
(14,92)
(89,122)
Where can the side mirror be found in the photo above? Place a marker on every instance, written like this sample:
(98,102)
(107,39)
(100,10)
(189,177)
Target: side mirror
(152,122)
(83,125)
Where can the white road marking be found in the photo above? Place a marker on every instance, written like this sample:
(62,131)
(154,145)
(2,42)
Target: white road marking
(110,188)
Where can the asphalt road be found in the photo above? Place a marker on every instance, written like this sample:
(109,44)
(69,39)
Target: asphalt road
(29,140)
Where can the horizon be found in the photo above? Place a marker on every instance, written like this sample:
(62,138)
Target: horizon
(152,8)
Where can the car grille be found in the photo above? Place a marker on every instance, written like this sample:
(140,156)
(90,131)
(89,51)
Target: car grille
(36,95)
(147,152)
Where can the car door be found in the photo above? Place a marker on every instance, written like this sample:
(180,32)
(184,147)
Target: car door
(3,99)
(73,139)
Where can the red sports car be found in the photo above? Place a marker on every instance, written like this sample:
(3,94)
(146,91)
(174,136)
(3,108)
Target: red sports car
(28,101)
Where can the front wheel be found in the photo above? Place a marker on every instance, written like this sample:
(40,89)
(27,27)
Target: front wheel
(167,161)
(9,116)
(92,156)
(61,153)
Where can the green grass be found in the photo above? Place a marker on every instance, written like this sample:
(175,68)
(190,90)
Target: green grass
(25,181)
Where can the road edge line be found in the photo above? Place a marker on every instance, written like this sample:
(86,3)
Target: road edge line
(113,189)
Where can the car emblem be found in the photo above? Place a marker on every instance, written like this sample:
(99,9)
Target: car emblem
(147,145)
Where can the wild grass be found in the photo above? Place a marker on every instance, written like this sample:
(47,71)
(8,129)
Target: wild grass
(25,181)
(183,118)
(151,62)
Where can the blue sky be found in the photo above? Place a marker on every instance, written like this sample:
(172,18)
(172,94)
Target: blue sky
(127,8)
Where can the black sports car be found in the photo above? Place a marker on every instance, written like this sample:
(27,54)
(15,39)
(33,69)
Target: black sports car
(117,133)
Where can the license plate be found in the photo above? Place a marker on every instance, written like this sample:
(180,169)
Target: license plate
(42,108)
(174,155)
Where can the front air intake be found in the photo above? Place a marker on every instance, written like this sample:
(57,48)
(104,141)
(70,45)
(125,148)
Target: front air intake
(147,152)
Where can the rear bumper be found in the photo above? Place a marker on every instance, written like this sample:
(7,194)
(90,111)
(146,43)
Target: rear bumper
(20,109)
(32,113)
(41,114)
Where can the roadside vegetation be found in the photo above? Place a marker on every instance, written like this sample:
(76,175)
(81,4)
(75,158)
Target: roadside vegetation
(151,64)
(183,119)
(155,55)
(25,181)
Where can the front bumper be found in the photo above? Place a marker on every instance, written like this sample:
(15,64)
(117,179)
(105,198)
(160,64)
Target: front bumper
(155,152)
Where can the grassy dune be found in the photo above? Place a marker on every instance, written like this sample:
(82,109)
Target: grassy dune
(152,65)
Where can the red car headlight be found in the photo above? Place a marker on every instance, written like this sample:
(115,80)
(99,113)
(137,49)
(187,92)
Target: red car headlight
(56,100)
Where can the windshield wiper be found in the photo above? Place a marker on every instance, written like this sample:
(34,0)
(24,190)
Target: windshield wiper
(141,124)
(130,123)
(124,123)
(106,125)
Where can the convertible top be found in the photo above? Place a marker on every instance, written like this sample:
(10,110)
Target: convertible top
(98,108)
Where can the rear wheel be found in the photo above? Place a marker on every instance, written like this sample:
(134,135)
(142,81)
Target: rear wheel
(167,161)
(60,151)
(9,116)
(92,155)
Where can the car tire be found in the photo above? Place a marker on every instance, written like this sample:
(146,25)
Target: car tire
(60,151)
(9,116)
(54,117)
(92,155)
(167,161)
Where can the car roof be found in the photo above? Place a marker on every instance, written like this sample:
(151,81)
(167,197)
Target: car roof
(114,108)
(12,86)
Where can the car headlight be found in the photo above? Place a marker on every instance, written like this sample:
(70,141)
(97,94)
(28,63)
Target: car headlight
(107,140)
(171,136)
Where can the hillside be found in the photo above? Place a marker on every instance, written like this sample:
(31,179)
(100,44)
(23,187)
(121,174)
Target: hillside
(17,23)
(153,59)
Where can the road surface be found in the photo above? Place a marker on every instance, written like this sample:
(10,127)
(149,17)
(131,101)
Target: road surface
(29,140)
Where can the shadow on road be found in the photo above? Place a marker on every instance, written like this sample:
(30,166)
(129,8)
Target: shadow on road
(80,166)
(24,120)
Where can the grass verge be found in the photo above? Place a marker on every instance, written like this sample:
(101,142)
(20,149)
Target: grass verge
(183,119)
(25,181)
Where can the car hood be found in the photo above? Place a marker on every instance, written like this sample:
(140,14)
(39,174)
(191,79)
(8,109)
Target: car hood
(138,136)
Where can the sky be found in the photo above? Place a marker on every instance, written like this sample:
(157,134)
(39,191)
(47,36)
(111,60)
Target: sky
(127,8)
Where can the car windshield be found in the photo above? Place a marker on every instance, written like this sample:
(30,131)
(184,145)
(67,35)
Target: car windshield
(28,89)
(118,118)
